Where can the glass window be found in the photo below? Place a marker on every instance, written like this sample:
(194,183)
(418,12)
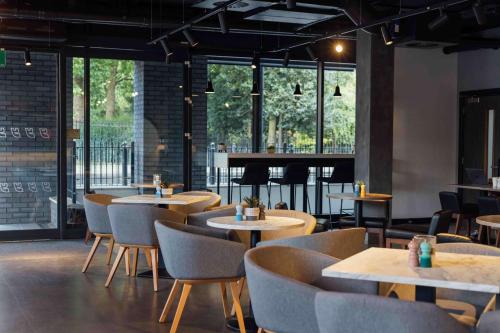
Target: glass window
(289,121)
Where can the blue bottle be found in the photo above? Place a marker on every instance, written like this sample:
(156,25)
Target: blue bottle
(425,256)
(356,190)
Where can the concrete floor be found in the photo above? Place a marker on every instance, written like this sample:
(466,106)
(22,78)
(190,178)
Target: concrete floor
(42,289)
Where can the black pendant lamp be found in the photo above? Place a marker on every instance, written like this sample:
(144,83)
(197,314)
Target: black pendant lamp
(337,88)
(210,87)
(255,89)
(297,91)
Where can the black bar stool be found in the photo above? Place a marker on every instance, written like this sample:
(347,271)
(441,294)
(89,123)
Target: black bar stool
(294,174)
(343,173)
(255,174)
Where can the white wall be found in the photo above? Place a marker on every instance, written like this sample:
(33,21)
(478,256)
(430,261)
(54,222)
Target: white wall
(479,70)
(425,130)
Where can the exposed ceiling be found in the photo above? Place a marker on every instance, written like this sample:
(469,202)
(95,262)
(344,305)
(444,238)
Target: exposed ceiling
(254,25)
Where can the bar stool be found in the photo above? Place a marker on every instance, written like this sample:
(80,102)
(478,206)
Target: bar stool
(343,173)
(294,174)
(255,174)
(452,201)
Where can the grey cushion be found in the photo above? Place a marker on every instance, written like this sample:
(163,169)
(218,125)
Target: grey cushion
(340,244)
(283,282)
(200,220)
(190,254)
(351,313)
(134,224)
(96,211)
(489,322)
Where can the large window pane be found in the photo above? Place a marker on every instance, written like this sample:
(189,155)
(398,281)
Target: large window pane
(289,122)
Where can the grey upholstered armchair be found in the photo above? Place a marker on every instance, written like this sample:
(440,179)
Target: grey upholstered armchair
(340,244)
(283,282)
(351,313)
(197,255)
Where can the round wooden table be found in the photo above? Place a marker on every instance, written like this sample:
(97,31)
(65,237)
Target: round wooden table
(358,204)
(255,228)
(490,221)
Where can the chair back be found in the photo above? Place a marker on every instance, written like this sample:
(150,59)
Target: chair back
(255,174)
(296,173)
(307,229)
(440,222)
(340,244)
(134,224)
(340,312)
(96,212)
(488,206)
(343,172)
(450,201)
(194,253)
(283,282)
(213,201)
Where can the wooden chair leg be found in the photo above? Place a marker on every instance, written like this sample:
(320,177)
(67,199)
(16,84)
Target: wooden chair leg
(127,261)
(388,243)
(88,236)
(224,300)
(241,284)
(186,289)
(118,258)
(497,242)
(469,226)
(111,245)
(135,258)
(148,257)
(480,234)
(154,260)
(91,253)
(459,222)
(488,235)
(237,305)
(170,301)
(381,238)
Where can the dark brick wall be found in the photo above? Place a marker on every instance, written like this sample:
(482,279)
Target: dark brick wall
(28,165)
(158,114)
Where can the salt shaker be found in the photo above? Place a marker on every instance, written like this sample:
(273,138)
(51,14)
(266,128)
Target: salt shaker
(425,256)
(413,254)
(239,213)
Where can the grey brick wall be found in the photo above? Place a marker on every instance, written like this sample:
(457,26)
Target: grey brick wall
(28,165)
(158,113)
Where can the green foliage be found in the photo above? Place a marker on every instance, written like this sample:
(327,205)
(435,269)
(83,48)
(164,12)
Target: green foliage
(252,202)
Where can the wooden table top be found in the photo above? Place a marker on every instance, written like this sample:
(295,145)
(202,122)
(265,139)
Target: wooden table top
(492,221)
(270,223)
(367,197)
(450,270)
(150,199)
(477,187)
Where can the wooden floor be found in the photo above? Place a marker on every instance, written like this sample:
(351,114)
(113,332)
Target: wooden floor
(42,289)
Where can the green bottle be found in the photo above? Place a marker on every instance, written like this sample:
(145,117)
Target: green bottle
(425,256)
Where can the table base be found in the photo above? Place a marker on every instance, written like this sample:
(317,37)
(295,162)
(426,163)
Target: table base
(425,294)
(162,274)
(250,325)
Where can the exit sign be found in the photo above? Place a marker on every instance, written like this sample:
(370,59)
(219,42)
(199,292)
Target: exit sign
(3,58)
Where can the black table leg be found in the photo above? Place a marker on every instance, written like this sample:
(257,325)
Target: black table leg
(250,324)
(304,198)
(229,199)
(292,196)
(358,213)
(162,271)
(218,180)
(425,294)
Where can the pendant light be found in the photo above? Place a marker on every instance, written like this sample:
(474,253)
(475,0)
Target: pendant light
(337,88)
(255,89)
(27,57)
(297,91)
(210,88)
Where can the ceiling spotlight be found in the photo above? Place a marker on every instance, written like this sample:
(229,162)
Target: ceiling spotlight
(386,35)
(210,87)
(337,91)
(165,47)
(27,57)
(189,38)
(286,59)
(290,4)
(255,89)
(479,13)
(339,48)
(255,61)
(439,21)
(297,91)
(311,53)
(222,22)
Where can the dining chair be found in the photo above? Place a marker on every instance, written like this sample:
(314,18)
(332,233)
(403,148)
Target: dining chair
(255,174)
(133,229)
(354,313)
(296,173)
(402,234)
(340,244)
(194,256)
(200,219)
(210,203)
(307,229)
(489,322)
(453,202)
(283,282)
(96,211)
